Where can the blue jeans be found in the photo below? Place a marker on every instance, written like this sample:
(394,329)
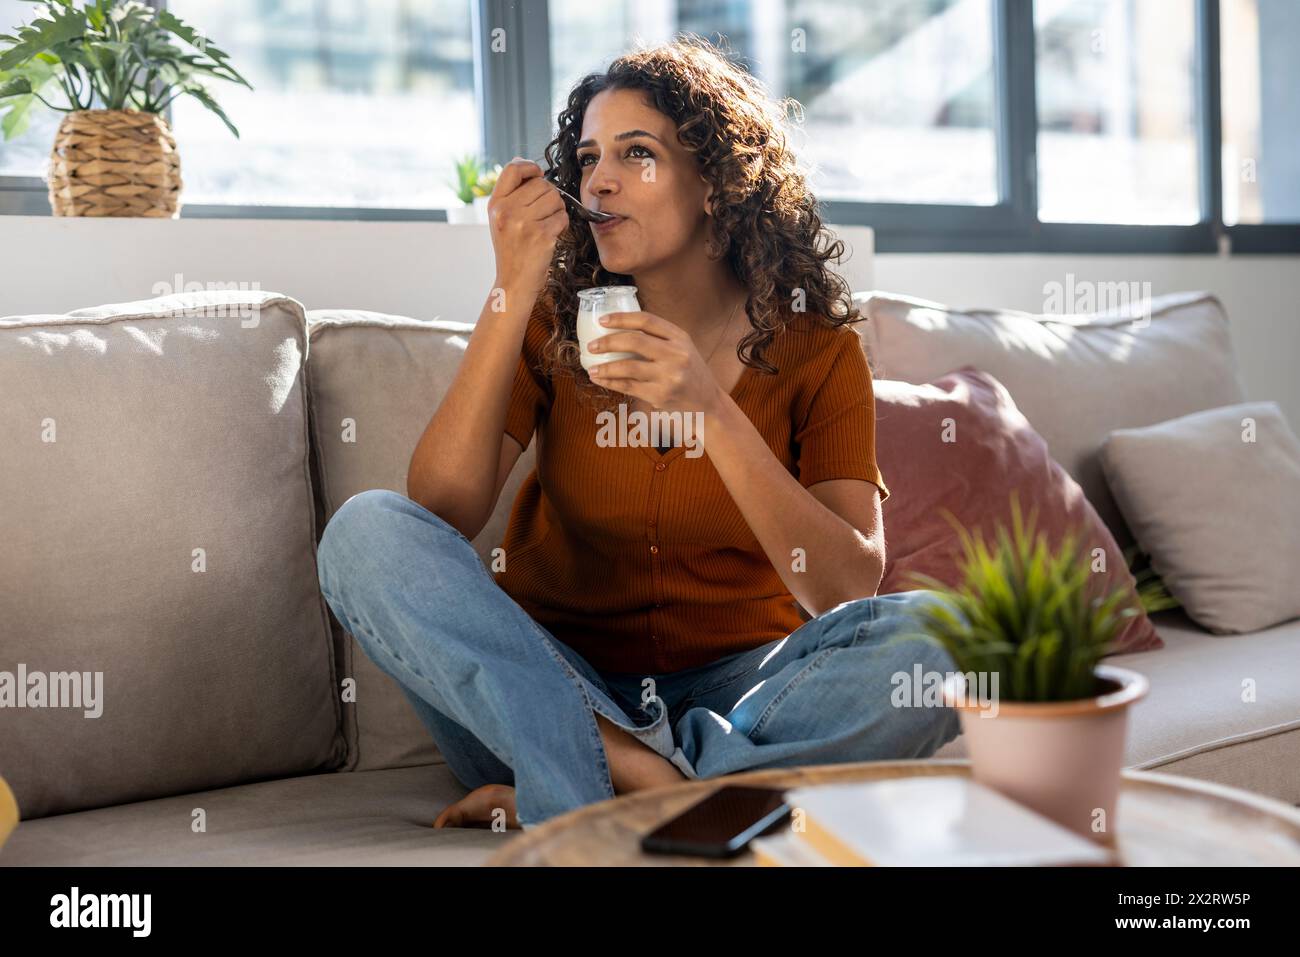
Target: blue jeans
(508,703)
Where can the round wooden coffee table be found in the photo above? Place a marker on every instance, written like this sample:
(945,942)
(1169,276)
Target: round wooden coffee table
(1161,820)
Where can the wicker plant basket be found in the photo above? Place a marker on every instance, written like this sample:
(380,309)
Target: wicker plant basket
(115,163)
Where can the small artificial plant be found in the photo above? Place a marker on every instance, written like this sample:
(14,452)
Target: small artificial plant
(474,179)
(106,54)
(487,181)
(1030,615)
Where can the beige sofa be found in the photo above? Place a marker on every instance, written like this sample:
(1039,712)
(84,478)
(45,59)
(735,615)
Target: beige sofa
(169,465)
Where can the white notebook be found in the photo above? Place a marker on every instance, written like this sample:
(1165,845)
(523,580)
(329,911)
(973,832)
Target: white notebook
(786,849)
(939,820)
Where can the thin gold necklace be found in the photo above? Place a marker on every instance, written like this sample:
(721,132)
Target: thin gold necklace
(724,330)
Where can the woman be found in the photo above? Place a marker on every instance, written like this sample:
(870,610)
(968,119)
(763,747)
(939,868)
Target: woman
(644,627)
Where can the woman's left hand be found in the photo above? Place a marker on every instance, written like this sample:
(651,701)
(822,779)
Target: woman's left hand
(672,376)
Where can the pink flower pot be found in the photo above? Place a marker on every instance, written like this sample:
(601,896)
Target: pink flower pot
(1059,758)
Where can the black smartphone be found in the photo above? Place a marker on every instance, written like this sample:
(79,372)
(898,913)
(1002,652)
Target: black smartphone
(720,825)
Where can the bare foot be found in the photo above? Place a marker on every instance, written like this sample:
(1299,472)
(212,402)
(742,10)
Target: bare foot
(634,765)
(480,807)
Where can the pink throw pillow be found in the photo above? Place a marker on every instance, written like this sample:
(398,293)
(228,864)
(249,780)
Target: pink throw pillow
(960,443)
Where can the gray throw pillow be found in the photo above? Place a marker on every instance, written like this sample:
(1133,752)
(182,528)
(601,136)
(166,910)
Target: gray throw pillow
(1214,498)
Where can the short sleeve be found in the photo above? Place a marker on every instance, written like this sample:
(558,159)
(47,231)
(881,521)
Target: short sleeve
(837,439)
(531,394)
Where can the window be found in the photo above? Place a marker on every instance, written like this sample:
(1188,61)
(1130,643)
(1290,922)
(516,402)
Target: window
(28,154)
(1261,113)
(1116,124)
(897,96)
(355,103)
(947,125)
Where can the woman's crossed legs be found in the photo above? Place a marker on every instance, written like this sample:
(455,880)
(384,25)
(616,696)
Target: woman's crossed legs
(510,706)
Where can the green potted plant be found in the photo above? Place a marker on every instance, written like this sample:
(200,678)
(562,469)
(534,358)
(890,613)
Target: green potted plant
(1045,720)
(114,65)
(473,185)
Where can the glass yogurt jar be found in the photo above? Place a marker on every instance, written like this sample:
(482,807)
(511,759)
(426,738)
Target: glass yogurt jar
(594,303)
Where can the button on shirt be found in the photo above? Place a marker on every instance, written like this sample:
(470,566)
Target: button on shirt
(639,559)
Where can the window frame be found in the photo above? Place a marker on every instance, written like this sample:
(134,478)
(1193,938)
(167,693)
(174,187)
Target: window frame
(513,94)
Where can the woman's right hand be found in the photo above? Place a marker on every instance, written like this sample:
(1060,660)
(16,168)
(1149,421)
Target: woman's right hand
(526,215)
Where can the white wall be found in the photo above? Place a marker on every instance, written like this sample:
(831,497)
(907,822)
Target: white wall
(54,264)
(427,270)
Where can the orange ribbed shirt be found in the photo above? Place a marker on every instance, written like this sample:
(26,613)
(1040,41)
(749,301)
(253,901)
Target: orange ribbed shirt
(641,561)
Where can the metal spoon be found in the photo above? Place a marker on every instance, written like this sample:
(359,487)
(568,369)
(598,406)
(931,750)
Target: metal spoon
(589,215)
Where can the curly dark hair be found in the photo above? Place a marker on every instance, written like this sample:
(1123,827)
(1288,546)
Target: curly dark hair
(765,219)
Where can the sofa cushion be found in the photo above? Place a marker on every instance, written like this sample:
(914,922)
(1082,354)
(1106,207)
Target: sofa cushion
(372,819)
(959,448)
(1214,497)
(376,380)
(1075,377)
(158,537)
(1220,709)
